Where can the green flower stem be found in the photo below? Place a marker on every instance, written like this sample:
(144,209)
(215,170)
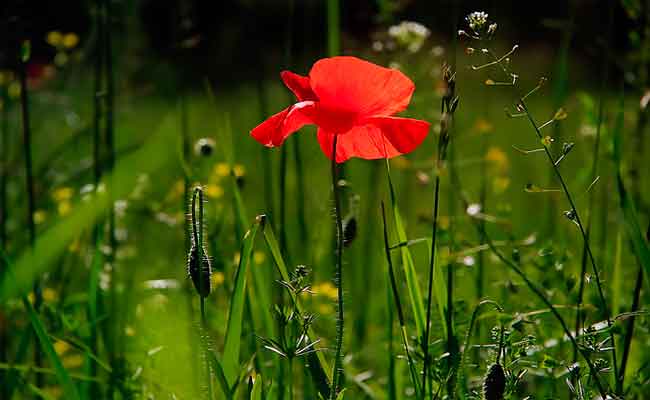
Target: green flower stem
(338,280)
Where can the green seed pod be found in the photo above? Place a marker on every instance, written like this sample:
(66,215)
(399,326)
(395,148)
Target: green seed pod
(495,383)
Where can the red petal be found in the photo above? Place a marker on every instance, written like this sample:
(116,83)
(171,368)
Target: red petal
(361,87)
(299,85)
(381,137)
(278,127)
(405,134)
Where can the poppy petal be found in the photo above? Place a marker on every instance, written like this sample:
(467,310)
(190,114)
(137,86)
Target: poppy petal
(299,85)
(380,137)
(278,127)
(405,134)
(354,85)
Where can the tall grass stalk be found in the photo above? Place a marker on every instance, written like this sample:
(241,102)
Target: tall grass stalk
(115,329)
(338,279)
(333,28)
(585,238)
(29,181)
(448,106)
(4,163)
(98,97)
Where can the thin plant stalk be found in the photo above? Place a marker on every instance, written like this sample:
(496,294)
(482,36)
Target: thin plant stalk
(338,279)
(585,238)
(333,28)
(573,213)
(594,171)
(629,329)
(29,184)
(425,339)
(4,162)
(447,107)
(98,98)
(398,304)
(110,163)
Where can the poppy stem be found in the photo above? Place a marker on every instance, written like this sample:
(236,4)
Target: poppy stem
(338,280)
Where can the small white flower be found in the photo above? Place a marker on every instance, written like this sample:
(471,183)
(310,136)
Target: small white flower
(473,209)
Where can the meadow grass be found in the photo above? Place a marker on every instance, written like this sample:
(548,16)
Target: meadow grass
(461,277)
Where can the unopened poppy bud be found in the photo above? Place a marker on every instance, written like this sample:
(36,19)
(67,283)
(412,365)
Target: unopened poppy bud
(199,267)
(494,384)
(199,270)
(349,230)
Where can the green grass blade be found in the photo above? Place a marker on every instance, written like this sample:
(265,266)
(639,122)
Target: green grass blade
(236,314)
(630,217)
(218,371)
(415,296)
(439,287)
(256,393)
(631,222)
(69,389)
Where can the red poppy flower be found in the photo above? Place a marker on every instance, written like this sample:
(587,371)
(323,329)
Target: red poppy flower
(353,99)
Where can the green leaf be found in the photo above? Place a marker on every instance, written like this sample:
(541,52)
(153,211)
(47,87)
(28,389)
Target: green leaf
(218,370)
(256,393)
(236,314)
(634,232)
(415,295)
(69,388)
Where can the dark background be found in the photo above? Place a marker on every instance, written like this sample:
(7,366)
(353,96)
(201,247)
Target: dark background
(238,38)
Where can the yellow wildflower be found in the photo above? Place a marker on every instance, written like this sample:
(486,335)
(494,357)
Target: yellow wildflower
(214,191)
(483,126)
(259,257)
(54,38)
(14,90)
(61,347)
(70,40)
(222,169)
(64,208)
(61,194)
(326,289)
(497,157)
(239,170)
(217,278)
(39,216)
(73,361)
(49,295)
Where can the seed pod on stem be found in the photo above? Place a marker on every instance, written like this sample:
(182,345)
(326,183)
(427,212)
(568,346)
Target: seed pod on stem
(199,267)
